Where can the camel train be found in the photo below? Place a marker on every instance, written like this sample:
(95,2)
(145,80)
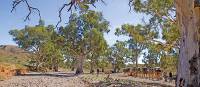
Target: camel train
(147,73)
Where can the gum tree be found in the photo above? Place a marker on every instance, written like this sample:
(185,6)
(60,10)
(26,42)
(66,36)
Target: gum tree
(84,35)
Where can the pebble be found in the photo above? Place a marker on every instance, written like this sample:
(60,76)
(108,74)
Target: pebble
(85,80)
(42,81)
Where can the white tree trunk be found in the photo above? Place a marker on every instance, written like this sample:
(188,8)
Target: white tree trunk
(189,61)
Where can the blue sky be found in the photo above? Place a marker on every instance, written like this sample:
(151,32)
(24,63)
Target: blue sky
(115,11)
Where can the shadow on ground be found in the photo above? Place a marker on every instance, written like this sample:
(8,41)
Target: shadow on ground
(53,74)
(125,83)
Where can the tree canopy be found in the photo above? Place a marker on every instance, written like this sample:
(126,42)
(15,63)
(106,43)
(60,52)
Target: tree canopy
(82,38)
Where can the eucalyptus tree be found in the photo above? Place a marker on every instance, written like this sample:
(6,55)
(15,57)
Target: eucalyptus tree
(171,32)
(52,49)
(162,19)
(97,47)
(52,55)
(118,54)
(153,55)
(103,62)
(38,41)
(139,37)
(98,60)
(161,12)
(169,61)
(83,35)
(188,22)
(69,62)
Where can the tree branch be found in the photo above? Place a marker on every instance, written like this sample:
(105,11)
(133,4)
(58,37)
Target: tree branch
(14,4)
(60,15)
(130,5)
(30,8)
(70,4)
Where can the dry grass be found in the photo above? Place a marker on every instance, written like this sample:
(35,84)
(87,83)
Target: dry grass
(2,77)
(8,70)
(12,54)
(12,60)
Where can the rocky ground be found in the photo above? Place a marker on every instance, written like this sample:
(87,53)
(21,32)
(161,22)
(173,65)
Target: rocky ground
(120,80)
(60,79)
(44,80)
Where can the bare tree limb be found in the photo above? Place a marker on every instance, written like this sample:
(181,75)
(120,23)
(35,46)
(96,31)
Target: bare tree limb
(74,3)
(60,15)
(14,4)
(30,8)
(130,5)
(103,2)
(70,4)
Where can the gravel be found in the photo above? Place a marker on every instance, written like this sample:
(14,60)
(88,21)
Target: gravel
(62,79)
(119,80)
(44,80)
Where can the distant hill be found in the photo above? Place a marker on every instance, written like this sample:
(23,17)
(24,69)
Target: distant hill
(12,54)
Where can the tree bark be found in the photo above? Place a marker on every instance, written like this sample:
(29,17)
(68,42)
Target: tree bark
(136,62)
(135,59)
(114,68)
(80,61)
(55,67)
(189,58)
(73,65)
(72,68)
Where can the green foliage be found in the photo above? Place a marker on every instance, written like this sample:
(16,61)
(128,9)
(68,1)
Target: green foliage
(83,5)
(12,60)
(169,62)
(41,23)
(40,42)
(139,37)
(138,33)
(85,31)
(118,54)
(161,20)
(153,56)
(162,16)
(152,6)
(83,36)
(30,38)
